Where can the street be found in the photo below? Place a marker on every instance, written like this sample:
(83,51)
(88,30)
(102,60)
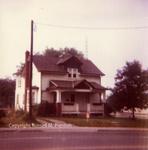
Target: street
(62,139)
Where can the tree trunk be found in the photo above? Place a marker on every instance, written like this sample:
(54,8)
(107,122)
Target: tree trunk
(133,113)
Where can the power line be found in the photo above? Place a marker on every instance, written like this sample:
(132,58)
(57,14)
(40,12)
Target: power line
(94,28)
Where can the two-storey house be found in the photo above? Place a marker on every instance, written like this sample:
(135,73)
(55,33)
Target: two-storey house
(70,84)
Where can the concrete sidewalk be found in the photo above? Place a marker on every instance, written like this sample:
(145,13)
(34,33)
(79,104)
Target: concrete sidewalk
(62,123)
(70,129)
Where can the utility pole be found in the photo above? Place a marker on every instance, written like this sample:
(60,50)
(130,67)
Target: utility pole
(30,75)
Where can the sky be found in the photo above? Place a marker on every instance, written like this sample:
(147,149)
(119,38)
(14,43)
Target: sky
(111,32)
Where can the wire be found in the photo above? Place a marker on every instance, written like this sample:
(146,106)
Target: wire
(94,28)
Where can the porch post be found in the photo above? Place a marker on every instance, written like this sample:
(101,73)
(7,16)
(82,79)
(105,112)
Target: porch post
(77,108)
(58,103)
(88,107)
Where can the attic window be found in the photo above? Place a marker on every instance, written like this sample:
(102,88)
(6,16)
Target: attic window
(72,72)
(69,75)
(74,75)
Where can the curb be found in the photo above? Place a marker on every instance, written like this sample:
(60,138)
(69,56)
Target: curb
(70,129)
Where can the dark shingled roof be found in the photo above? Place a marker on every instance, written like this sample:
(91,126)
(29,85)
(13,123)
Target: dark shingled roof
(97,86)
(50,64)
(73,84)
(63,84)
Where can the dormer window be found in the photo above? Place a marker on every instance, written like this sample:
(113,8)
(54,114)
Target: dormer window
(69,75)
(74,75)
(72,72)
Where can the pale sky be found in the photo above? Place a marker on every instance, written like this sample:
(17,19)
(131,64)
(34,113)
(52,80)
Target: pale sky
(119,40)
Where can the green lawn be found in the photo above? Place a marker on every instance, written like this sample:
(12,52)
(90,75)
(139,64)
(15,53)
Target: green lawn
(106,122)
(18,119)
(23,118)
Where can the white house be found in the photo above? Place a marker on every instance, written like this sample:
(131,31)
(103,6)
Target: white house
(71,85)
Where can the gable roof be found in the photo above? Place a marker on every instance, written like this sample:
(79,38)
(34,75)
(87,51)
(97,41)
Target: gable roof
(51,63)
(65,59)
(62,84)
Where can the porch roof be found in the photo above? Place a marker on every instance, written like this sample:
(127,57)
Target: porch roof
(57,84)
(61,84)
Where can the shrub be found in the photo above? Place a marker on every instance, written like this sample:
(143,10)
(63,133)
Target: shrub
(3,113)
(46,109)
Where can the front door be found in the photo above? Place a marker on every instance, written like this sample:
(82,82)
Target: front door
(83,101)
(82,106)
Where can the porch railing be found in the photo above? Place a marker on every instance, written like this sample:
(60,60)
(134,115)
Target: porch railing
(75,108)
(70,108)
(96,108)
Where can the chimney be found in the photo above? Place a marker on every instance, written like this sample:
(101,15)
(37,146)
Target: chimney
(26,55)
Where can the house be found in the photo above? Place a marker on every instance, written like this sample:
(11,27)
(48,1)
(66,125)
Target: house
(70,84)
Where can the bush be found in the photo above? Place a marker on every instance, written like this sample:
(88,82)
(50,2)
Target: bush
(3,113)
(107,109)
(45,109)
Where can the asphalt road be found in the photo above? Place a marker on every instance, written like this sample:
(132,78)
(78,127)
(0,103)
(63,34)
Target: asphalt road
(74,139)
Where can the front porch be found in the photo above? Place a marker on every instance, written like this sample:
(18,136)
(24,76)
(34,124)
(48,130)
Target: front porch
(78,98)
(70,102)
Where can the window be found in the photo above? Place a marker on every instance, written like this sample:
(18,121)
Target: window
(70,101)
(72,98)
(72,72)
(69,75)
(19,82)
(74,75)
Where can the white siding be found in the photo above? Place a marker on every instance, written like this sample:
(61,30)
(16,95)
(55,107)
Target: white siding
(47,77)
(19,93)
(20,89)
(42,82)
(95,98)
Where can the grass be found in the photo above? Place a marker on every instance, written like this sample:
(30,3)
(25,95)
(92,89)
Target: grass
(18,118)
(21,118)
(106,122)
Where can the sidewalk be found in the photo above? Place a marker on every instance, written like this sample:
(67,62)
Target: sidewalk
(60,122)
(70,129)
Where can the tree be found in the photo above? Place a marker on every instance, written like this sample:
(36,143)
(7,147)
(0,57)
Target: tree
(131,84)
(7,92)
(57,53)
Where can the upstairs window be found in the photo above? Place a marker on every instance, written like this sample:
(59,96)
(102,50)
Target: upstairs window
(72,72)
(69,75)
(74,75)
